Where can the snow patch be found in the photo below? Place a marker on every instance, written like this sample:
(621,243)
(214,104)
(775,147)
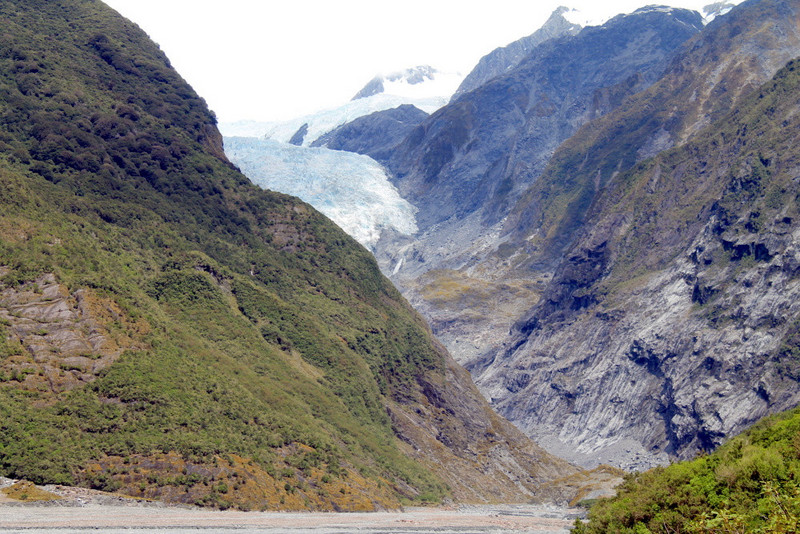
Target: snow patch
(352,190)
(433,84)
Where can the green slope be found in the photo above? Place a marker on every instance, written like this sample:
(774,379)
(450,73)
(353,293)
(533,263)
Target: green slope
(748,485)
(171,331)
(110,182)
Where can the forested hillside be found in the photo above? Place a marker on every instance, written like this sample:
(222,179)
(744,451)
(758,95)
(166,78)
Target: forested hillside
(171,331)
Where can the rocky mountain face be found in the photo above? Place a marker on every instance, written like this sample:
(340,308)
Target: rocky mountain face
(474,153)
(374,135)
(617,307)
(171,331)
(674,377)
(501,60)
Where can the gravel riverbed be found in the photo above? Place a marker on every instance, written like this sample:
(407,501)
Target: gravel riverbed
(81,510)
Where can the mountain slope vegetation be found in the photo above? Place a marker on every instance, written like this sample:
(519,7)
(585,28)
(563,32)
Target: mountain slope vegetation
(747,485)
(171,331)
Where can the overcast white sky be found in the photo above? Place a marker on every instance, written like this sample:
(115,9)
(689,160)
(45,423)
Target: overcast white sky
(279,59)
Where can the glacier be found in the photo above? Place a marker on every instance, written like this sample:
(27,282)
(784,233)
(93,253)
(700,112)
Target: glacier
(352,190)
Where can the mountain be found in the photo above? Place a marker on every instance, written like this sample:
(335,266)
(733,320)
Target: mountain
(423,87)
(171,331)
(374,135)
(501,60)
(667,321)
(423,81)
(484,146)
(466,166)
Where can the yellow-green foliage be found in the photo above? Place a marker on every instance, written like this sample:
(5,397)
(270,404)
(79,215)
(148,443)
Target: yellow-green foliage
(751,484)
(28,492)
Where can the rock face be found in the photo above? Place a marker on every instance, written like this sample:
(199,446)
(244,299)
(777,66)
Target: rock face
(669,323)
(58,340)
(678,345)
(617,307)
(374,135)
(467,164)
(501,60)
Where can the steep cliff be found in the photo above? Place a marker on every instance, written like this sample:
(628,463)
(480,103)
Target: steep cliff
(671,322)
(171,331)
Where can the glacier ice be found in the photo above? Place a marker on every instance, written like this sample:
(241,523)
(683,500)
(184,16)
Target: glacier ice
(352,190)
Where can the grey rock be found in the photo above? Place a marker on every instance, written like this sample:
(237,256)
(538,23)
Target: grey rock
(374,135)
(502,60)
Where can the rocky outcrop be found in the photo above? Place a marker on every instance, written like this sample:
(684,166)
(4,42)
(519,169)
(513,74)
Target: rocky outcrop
(374,135)
(54,340)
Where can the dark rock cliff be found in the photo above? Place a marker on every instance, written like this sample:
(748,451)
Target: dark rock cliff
(670,322)
(374,135)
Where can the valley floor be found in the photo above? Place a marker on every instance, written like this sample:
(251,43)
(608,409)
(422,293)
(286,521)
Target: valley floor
(129,519)
(80,510)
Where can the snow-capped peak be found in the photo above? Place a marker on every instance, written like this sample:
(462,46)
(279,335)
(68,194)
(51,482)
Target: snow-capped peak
(423,81)
(585,18)
(718,9)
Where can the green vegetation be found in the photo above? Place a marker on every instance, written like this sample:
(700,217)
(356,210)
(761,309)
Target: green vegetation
(750,484)
(256,324)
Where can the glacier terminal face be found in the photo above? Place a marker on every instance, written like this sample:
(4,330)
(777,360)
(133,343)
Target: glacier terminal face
(353,190)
